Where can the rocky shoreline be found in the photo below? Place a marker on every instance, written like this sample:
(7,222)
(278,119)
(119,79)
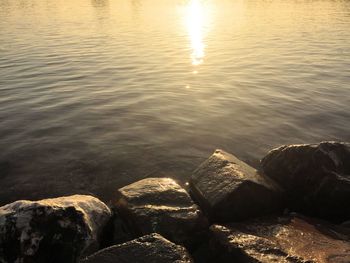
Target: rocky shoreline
(295,209)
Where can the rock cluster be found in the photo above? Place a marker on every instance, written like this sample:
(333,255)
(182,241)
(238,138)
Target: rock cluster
(237,214)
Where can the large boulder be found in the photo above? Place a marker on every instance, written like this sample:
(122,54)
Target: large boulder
(315,176)
(288,239)
(57,230)
(160,205)
(228,189)
(147,249)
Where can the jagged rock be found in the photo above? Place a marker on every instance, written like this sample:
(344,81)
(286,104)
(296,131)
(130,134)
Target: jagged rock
(160,205)
(315,176)
(56,230)
(147,249)
(289,239)
(228,189)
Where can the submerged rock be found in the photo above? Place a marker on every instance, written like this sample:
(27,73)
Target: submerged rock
(56,230)
(229,189)
(160,205)
(315,176)
(147,249)
(289,239)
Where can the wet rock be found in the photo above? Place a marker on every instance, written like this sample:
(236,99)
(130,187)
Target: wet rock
(146,249)
(289,239)
(229,189)
(160,205)
(51,230)
(315,176)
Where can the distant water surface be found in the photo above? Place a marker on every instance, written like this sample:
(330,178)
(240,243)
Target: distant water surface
(97,94)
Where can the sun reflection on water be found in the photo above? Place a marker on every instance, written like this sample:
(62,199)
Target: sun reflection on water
(196,22)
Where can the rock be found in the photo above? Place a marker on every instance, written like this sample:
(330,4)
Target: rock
(289,239)
(51,230)
(150,248)
(203,252)
(346,224)
(315,176)
(160,205)
(120,233)
(228,189)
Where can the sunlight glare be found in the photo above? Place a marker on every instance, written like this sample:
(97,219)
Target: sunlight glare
(195,19)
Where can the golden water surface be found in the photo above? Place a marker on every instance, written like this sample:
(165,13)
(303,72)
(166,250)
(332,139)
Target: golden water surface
(95,94)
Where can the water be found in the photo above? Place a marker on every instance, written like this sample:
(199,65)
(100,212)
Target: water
(97,94)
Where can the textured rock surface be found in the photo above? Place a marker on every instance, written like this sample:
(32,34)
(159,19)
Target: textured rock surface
(229,189)
(287,239)
(51,230)
(160,205)
(150,248)
(315,176)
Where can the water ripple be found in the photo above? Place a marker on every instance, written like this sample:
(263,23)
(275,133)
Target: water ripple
(95,95)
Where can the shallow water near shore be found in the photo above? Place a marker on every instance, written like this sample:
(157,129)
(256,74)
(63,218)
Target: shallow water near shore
(98,94)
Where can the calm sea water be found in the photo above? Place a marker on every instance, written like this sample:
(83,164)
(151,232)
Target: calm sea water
(96,94)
